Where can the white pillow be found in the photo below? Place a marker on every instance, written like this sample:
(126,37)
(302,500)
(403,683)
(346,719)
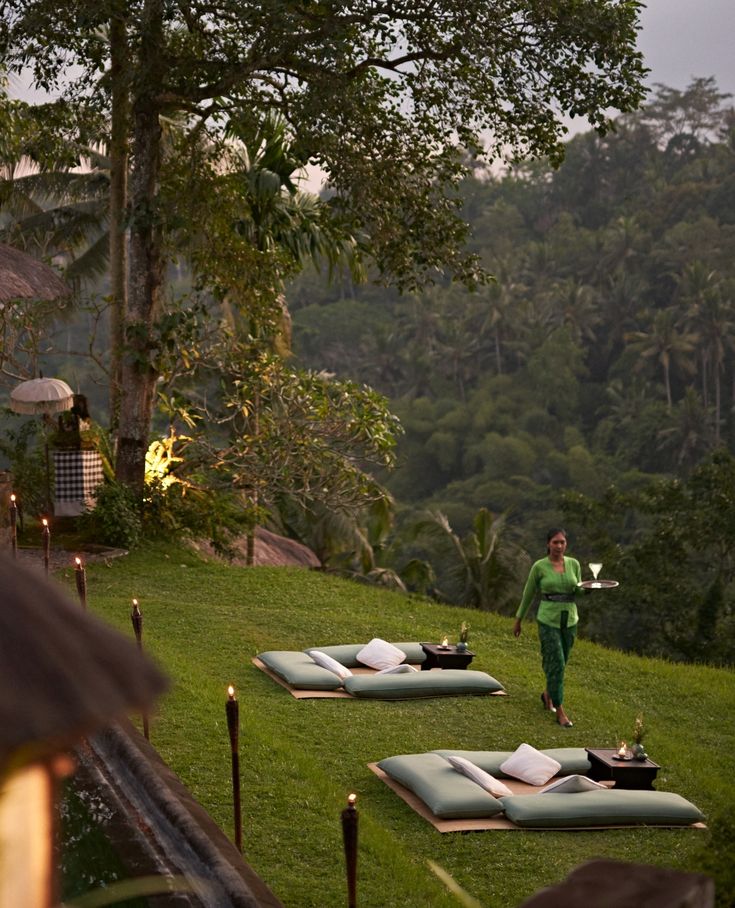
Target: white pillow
(572,784)
(483,779)
(530,765)
(380,654)
(397,669)
(341,671)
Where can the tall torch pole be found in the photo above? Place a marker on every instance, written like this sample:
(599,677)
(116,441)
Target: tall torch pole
(46,534)
(81,578)
(232,710)
(14,526)
(136,616)
(349,835)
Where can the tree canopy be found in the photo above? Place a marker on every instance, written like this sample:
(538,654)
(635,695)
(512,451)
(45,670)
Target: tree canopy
(389,99)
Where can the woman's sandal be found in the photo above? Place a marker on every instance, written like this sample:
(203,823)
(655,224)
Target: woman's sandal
(546,700)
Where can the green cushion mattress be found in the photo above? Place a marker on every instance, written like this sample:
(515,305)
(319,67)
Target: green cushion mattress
(451,682)
(448,794)
(299,670)
(606,807)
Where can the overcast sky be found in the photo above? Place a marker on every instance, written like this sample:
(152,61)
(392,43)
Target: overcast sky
(681,39)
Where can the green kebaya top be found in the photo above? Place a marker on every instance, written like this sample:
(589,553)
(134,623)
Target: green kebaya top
(542,578)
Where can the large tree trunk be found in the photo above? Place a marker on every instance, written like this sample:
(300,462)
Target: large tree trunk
(118,202)
(146,265)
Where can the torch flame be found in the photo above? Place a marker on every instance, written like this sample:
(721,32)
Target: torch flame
(351,799)
(44,522)
(78,561)
(231,692)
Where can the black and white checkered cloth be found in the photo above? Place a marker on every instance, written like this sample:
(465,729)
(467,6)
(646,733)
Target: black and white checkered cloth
(78,473)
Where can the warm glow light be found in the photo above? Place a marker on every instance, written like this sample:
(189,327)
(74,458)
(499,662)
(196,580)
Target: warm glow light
(44,522)
(12,498)
(445,641)
(135,601)
(231,692)
(622,750)
(78,561)
(351,799)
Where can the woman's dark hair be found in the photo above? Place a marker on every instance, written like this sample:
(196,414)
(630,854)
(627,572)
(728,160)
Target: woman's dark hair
(554,531)
(79,406)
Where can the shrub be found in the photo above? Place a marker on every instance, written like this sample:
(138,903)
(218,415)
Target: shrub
(23,449)
(116,517)
(202,513)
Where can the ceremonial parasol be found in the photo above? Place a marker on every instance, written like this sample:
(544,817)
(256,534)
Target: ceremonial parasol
(41,395)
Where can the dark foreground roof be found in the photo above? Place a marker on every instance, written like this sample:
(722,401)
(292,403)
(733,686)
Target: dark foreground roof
(63,672)
(24,278)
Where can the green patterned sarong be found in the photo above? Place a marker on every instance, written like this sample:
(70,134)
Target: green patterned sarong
(556,646)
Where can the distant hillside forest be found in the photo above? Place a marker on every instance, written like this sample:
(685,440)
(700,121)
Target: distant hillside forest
(598,362)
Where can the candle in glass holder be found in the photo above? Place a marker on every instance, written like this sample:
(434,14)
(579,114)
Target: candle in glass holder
(623,750)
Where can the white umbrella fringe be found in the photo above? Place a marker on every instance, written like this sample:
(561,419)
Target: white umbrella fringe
(41,395)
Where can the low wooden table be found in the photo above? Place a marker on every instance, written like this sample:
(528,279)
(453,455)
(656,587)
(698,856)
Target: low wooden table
(444,657)
(637,774)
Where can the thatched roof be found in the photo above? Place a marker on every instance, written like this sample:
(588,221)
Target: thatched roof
(24,278)
(63,672)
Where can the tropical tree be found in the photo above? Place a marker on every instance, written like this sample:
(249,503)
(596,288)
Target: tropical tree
(382,98)
(667,344)
(710,315)
(482,569)
(282,434)
(500,299)
(673,116)
(671,534)
(690,435)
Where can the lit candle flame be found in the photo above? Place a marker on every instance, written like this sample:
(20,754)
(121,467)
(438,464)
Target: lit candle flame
(351,800)
(231,692)
(445,641)
(622,749)
(78,561)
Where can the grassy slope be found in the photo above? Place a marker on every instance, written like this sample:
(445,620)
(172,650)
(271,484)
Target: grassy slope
(300,759)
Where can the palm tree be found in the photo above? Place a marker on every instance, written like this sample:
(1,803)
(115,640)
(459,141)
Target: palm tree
(576,305)
(501,297)
(667,344)
(689,437)
(711,315)
(621,242)
(482,568)
(59,213)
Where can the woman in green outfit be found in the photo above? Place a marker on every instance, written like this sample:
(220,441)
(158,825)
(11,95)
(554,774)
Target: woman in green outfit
(553,581)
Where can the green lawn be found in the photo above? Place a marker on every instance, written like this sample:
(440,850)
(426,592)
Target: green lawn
(204,621)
